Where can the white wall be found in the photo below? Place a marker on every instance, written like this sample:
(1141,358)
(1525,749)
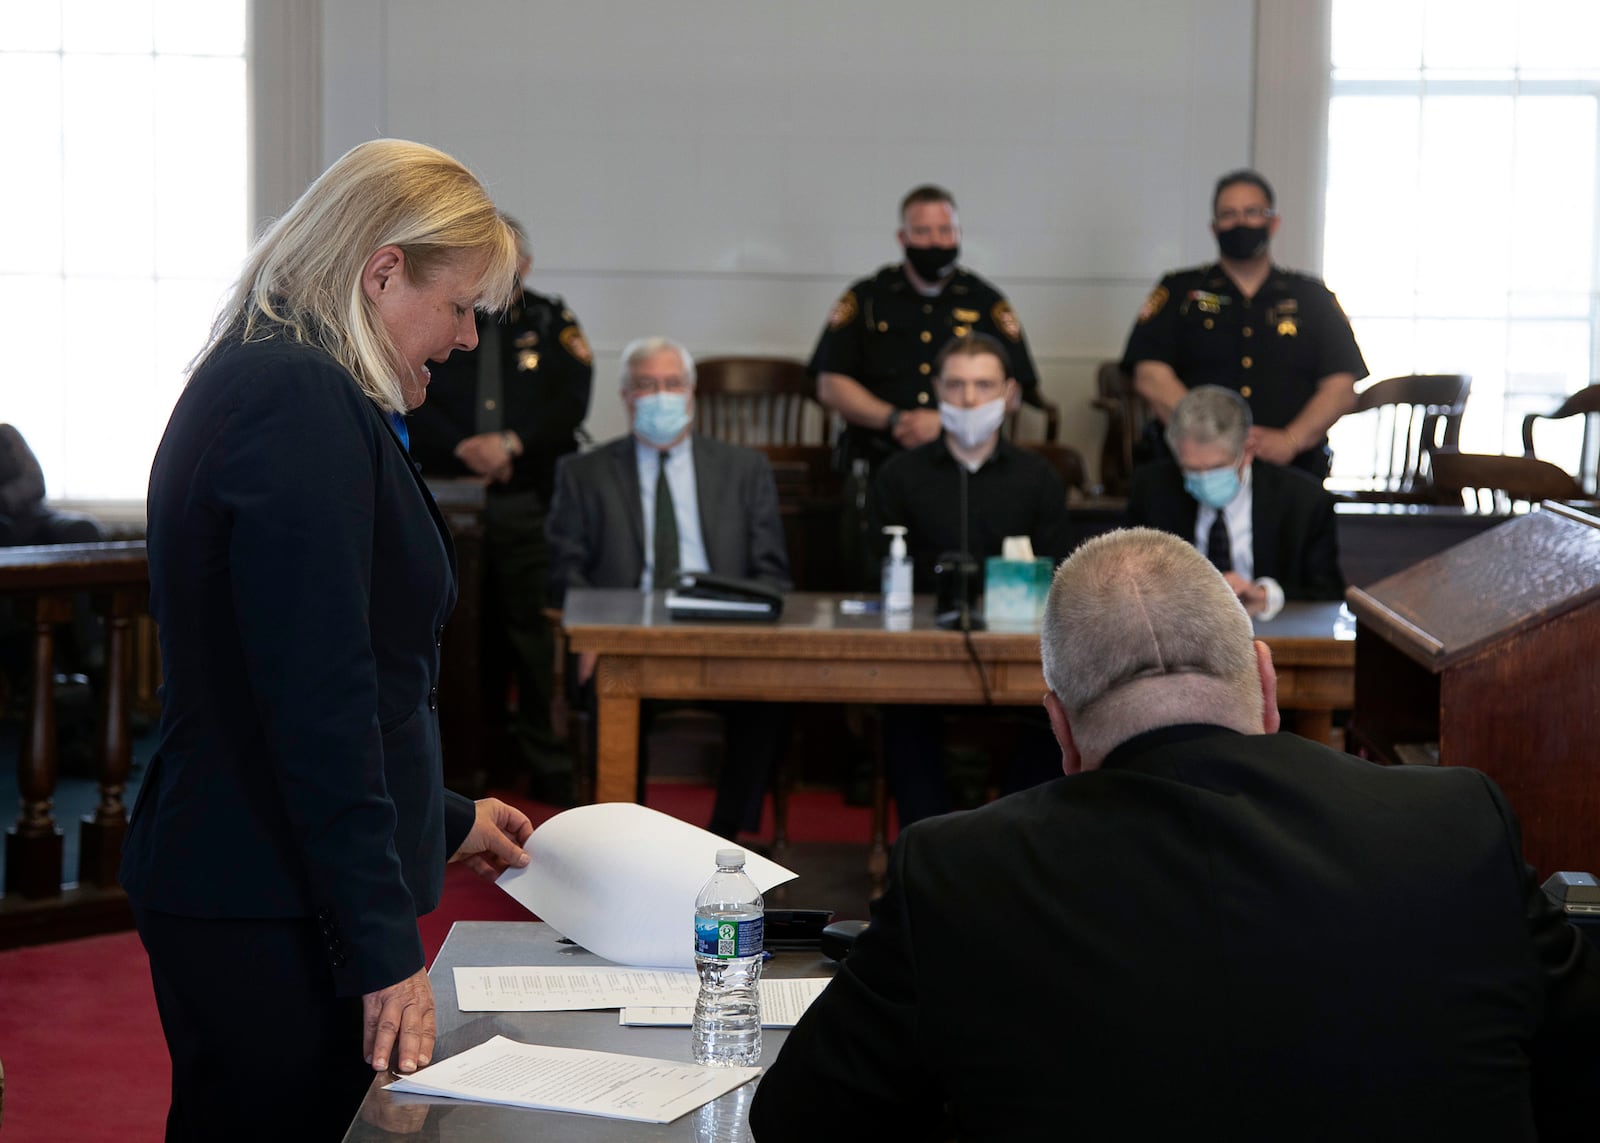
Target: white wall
(718,170)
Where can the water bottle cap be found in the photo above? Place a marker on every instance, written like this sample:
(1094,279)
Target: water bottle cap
(730,858)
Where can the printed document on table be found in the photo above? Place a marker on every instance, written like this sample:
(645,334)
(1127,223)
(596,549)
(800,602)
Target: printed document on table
(783,1001)
(621,879)
(572,1079)
(571,988)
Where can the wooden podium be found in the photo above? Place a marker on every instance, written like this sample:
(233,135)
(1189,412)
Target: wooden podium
(1488,655)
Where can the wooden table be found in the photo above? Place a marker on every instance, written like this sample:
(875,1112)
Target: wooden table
(815,653)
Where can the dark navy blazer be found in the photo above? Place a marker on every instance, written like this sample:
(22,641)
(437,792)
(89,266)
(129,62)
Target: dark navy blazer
(301,577)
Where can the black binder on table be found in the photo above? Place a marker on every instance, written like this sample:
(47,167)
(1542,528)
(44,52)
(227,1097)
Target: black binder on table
(701,595)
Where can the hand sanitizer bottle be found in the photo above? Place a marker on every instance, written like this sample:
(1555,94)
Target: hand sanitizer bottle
(896,573)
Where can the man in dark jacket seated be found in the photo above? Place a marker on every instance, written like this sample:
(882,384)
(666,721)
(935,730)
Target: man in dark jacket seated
(1205,930)
(1270,530)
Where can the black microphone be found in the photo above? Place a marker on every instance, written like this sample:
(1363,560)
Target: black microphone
(960,617)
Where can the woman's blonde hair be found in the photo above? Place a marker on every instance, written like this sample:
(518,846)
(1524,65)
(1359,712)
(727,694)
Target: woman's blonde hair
(302,280)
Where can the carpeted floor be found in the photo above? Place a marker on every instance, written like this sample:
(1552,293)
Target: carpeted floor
(81,1043)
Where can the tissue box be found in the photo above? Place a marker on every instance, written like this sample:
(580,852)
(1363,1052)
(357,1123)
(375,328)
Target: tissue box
(1015,590)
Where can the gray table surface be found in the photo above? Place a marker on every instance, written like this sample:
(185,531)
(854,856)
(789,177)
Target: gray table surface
(386,1116)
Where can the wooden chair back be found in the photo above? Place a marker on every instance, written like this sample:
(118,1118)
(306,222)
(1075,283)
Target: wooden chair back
(1587,403)
(1412,416)
(1018,428)
(1487,482)
(759,401)
(1127,413)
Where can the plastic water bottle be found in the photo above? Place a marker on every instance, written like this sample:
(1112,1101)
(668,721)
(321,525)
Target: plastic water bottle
(727,951)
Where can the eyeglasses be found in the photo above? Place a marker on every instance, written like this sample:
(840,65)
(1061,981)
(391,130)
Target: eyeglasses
(1251,214)
(647,385)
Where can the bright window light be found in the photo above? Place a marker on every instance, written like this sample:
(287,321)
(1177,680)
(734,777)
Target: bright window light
(1461,204)
(128,226)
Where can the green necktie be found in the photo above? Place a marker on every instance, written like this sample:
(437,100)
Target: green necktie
(666,529)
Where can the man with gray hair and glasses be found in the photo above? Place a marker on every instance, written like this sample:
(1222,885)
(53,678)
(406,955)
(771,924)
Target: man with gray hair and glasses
(1205,929)
(635,511)
(1271,531)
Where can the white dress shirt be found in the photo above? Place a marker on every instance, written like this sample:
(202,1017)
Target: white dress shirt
(1239,514)
(679,460)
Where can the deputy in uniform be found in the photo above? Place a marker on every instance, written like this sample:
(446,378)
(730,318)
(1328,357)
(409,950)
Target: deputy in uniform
(1276,337)
(505,413)
(874,361)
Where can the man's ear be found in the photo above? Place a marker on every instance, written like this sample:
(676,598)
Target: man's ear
(385,265)
(1071,760)
(1270,718)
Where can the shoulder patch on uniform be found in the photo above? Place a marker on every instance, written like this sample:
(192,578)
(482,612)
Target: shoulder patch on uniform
(1006,318)
(844,311)
(1153,304)
(573,341)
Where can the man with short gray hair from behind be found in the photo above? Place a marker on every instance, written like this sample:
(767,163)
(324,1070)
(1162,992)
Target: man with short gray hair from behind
(1205,929)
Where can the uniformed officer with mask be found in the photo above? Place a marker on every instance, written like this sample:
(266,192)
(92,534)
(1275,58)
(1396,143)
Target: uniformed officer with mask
(1276,337)
(874,363)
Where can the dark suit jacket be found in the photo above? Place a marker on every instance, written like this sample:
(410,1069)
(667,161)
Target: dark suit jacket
(1214,936)
(1296,533)
(596,525)
(301,577)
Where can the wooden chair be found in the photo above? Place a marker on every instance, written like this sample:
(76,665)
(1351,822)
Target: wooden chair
(1487,482)
(759,401)
(1587,402)
(1016,424)
(1127,413)
(1412,416)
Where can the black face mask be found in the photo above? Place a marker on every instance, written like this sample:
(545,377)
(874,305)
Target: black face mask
(1242,242)
(933,263)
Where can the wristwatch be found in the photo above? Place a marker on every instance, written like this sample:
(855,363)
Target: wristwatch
(894,419)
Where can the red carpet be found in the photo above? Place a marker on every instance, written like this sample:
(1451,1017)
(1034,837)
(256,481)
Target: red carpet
(81,1042)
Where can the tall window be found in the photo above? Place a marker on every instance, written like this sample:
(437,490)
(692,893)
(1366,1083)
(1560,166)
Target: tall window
(125,209)
(1462,146)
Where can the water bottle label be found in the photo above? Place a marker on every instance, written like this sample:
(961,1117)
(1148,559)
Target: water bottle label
(725,938)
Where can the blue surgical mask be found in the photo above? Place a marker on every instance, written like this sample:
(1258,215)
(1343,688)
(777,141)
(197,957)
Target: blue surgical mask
(660,417)
(1214,487)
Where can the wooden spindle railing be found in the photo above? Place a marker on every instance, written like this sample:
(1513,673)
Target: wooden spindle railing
(117,576)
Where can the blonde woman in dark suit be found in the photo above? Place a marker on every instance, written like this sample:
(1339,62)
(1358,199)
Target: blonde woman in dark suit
(294,823)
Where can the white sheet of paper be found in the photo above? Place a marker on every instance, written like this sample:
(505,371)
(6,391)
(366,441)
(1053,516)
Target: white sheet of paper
(783,1001)
(572,1079)
(536,988)
(620,880)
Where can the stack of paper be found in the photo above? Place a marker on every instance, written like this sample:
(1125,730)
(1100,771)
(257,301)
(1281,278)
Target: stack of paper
(571,1079)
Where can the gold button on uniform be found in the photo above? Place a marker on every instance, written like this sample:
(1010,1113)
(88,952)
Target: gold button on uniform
(924,369)
(1208,323)
(1247,331)
(926,337)
(922,398)
(1244,391)
(488,404)
(883,327)
(927,309)
(1246,362)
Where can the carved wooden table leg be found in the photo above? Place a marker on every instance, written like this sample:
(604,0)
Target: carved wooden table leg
(100,833)
(617,732)
(33,845)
